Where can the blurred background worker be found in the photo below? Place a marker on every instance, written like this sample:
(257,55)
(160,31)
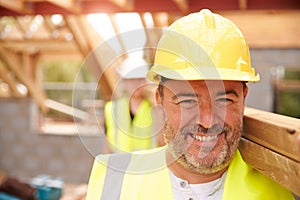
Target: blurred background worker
(128,119)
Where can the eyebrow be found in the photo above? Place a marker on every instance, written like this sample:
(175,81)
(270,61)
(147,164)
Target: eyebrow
(184,95)
(227,92)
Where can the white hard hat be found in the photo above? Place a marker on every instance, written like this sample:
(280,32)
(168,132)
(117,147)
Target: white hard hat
(133,67)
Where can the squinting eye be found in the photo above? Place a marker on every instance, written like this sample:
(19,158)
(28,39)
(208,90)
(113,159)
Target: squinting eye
(224,101)
(188,103)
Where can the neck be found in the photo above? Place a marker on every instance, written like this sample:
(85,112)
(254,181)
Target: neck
(190,176)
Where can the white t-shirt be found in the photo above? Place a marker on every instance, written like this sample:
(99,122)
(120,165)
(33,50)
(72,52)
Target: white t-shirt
(205,191)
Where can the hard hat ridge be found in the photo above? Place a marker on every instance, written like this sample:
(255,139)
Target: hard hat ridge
(209,18)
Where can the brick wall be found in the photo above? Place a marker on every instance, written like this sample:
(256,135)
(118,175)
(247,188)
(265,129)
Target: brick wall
(24,153)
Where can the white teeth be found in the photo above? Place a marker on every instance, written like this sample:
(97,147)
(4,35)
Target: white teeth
(204,138)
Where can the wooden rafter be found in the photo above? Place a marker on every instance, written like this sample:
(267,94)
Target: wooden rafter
(70,5)
(117,31)
(153,36)
(24,7)
(265,29)
(4,75)
(74,25)
(127,5)
(243,4)
(104,57)
(20,25)
(48,24)
(96,58)
(182,5)
(157,19)
(18,6)
(13,62)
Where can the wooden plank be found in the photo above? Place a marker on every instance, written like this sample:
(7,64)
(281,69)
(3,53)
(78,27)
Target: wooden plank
(117,31)
(183,5)
(68,110)
(102,59)
(152,38)
(74,26)
(281,169)
(52,45)
(288,85)
(126,5)
(61,55)
(273,131)
(268,29)
(17,6)
(243,4)
(10,82)
(70,5)
(12,61)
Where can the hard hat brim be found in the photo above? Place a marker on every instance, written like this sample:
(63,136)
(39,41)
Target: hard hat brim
(200,73)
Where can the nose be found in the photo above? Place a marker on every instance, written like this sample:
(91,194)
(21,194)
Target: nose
(206,114)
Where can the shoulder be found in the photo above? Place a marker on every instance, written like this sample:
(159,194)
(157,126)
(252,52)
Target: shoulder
(144,160)
(244,180)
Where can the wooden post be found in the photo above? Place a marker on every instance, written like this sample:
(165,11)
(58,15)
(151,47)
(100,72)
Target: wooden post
(14,63)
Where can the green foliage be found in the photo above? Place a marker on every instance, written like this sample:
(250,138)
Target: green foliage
(60,71)
(292,75)
(290,104)
(66,72)
(290,100)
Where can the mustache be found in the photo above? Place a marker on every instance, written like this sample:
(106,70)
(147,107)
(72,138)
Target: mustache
(216,128)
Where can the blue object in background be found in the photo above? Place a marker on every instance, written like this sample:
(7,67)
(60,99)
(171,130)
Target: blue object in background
(47,188)
(4,196)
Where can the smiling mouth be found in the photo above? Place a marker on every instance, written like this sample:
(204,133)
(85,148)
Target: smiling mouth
(205,138)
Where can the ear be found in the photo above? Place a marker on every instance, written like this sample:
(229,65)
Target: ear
(245,93)
(158,97)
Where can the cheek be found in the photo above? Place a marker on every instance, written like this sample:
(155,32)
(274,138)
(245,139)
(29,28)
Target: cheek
(179,118)
(174,116)
(234,116)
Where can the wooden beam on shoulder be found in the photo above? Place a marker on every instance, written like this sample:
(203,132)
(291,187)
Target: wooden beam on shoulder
(281,169)
(273,131)
(269,144)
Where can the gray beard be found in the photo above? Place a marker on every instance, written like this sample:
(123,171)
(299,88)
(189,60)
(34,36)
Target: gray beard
(201,163)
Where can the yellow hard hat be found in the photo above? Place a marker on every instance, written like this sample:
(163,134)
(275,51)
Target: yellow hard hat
(203,46)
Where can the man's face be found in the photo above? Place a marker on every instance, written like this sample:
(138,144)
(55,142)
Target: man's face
(203,122)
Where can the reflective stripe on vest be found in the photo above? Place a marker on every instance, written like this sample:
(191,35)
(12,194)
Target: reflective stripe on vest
(140,183)
(117,166)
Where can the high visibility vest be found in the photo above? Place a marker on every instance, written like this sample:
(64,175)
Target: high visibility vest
(144,175)
(125,134)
